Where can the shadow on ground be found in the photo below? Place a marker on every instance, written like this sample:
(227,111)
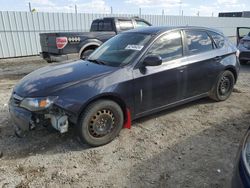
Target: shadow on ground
(41,141)
(202,160)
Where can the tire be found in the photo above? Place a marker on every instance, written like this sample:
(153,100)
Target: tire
(86,53)
(100,123)
(223,86)
(48,60)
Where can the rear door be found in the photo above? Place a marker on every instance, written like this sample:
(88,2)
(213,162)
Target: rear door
(202,64)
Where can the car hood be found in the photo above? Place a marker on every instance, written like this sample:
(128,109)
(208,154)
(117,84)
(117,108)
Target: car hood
(45,81)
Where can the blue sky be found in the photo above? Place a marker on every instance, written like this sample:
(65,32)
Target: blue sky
(170,7)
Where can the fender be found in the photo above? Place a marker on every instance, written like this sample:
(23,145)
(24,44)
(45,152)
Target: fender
(87,43)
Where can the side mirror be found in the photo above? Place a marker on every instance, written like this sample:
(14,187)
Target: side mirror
(152,60)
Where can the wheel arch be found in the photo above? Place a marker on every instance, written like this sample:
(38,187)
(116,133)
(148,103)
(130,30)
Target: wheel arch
(233,70)
(90,44)
(107,96)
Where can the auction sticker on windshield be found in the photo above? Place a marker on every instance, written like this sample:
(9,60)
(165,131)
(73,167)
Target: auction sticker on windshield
(134,47)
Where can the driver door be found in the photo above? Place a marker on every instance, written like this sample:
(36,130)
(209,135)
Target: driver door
(157,87)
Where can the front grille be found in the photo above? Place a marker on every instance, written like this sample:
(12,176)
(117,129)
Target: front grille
(15,100)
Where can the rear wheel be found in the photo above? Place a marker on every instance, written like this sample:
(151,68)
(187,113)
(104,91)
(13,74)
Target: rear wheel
(223,87)
(100,123)
(85,54)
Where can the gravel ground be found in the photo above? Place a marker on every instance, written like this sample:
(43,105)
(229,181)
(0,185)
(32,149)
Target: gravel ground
(193,145)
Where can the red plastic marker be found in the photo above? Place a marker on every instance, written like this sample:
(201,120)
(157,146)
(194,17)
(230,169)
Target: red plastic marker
(127,124)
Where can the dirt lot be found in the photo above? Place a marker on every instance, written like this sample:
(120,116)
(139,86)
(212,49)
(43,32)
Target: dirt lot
(193,145)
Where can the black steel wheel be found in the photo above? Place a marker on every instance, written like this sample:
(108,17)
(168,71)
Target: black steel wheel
(100,123)
(223,87)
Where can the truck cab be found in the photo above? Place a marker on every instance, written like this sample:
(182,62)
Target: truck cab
(66,45)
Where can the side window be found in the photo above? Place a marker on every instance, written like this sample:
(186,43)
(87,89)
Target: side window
(100,27)
(168,46)
(218,39)
(126,25)
(198,41)
(140,23)
(107,25)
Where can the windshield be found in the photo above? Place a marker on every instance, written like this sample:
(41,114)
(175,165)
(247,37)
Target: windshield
(120,50)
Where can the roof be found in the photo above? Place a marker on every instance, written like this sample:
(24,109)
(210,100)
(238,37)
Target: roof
(160,29)
(120,17)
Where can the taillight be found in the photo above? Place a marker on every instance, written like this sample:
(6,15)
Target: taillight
(61,42)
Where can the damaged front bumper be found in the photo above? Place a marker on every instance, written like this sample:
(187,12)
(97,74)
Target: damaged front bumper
(21,119)
(25,120)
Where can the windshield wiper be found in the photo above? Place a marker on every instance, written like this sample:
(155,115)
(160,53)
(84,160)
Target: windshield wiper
(97,61)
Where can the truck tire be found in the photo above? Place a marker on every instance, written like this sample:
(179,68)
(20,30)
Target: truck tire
(85,54)
(100,123)
(48,61)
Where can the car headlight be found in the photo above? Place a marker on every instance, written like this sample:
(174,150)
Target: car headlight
(37,104)
(246,153)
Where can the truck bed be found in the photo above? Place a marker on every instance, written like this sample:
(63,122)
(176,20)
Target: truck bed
(48,40)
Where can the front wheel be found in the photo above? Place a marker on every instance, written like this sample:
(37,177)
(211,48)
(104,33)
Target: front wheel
(100,123)
(223,87)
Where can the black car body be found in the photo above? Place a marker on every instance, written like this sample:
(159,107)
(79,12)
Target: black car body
(59,46)
(243,36)
(241,175)
(143,71)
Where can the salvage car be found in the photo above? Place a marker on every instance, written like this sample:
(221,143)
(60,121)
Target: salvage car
(134,74)
(243,36)
(241,175)
(62,46)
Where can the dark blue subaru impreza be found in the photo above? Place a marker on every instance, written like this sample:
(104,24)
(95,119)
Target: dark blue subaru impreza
(134,74)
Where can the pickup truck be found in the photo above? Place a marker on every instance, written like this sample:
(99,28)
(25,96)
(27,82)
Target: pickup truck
(60,46)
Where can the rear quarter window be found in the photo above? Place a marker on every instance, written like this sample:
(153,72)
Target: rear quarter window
(218,39)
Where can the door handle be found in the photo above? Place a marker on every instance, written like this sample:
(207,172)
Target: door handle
(218,58)
(182,68)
